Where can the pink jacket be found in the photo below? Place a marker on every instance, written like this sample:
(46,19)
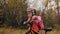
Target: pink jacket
(37,21)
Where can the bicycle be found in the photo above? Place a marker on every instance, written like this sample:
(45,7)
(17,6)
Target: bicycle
(46,30)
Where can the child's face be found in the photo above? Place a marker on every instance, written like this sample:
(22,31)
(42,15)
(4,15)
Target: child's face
(29,15)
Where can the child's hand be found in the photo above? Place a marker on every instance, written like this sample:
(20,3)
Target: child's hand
(25,22)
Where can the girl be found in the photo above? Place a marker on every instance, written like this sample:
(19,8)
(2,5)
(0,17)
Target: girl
(35,22)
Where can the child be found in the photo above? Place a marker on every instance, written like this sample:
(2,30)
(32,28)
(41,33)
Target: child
(35,22)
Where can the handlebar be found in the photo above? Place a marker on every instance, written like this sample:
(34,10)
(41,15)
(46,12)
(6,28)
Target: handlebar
(48,29)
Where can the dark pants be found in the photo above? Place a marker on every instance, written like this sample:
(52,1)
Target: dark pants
(35,32)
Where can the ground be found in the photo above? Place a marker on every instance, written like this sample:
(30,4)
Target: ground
(4,30)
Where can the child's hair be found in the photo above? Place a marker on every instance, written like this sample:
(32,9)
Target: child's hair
(34,12)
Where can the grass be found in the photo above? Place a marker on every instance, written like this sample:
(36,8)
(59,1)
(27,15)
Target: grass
(11,31)
(4,30)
